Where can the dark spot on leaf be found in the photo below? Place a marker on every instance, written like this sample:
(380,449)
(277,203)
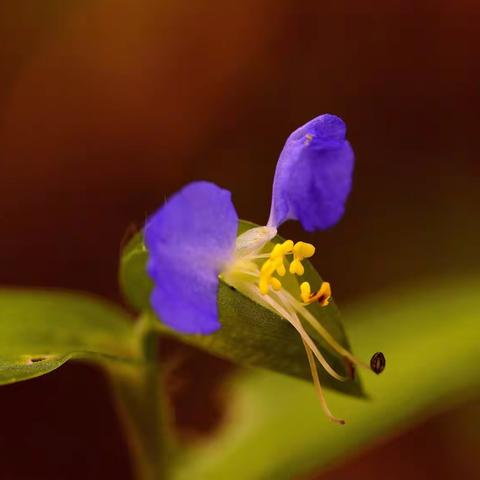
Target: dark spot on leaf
(37,359)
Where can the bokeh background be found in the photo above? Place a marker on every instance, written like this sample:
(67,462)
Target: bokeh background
(109,106)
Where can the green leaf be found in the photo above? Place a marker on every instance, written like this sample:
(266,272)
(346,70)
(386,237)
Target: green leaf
(430,337)
(250,335)
(41,330)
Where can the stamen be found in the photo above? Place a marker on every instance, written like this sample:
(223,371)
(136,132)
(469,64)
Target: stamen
(323,295)
(296,267)
(274,264)
(318,387)
(305,291)
(282,249)
(276,284)
(322,331)
(301,250)
(281,270)
(263,286)
(290,315)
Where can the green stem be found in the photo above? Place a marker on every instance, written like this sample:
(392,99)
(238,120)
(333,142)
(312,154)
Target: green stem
(142,406)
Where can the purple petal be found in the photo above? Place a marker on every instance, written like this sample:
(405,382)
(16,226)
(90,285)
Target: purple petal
(313,177)
(190,240)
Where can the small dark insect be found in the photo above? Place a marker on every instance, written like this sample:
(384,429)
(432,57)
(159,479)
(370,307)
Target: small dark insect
(378,362)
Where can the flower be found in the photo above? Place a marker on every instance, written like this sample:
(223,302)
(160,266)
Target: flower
(192,242)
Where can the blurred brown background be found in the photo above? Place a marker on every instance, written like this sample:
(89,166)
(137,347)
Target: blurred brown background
(107,107)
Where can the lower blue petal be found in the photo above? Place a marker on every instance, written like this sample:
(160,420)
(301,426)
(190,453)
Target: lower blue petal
(313,177)
(190,240)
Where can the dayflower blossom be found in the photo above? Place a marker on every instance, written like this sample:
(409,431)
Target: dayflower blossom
(192,242)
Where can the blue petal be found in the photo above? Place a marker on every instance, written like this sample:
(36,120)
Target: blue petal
(190,240)
(313,177)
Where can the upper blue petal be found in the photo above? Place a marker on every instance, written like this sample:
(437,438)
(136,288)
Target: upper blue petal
(313,177)
(190,240)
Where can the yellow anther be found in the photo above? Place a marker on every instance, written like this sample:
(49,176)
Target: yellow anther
(281,249)
(296,267)
(268,267)
(287,246)
(275,263)
(281,270)
(323,295)
(303,250)
(277,251)
(276,284)
(305,291)
(267,280)
(263,285)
